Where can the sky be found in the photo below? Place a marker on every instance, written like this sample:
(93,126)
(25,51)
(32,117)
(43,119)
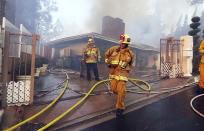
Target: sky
(145,20)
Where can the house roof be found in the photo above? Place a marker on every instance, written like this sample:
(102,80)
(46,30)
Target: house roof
(72,39)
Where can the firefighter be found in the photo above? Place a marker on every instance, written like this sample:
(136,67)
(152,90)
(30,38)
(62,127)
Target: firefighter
(201,66)
(119,59)
(91,55)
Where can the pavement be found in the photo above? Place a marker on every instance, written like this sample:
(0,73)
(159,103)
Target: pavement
(94,108)
(169,114)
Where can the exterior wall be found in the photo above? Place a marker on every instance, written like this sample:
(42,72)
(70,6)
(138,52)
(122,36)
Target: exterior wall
(73,49)
(150,61)
(69,56)
(113,27)
(141,58)
(65,52)
(158,61)
(47,52)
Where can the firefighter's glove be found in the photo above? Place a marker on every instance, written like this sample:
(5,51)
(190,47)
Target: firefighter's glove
(123,65)
(107,63)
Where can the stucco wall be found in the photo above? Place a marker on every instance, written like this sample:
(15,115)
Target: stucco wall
(75,49)
(151,61)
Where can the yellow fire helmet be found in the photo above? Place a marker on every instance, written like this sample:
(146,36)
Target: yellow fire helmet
(125,39)
(91,41)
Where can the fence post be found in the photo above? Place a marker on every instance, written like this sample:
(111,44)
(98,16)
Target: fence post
(34,38)
(5,68)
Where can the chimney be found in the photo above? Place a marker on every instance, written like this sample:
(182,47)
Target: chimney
(113,27)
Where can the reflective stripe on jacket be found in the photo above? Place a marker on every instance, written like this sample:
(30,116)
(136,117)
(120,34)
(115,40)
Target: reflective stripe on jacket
(118,77)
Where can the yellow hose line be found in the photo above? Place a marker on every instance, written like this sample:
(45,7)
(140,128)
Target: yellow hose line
(39,113)
(66,112)
(132,81)
(79,102)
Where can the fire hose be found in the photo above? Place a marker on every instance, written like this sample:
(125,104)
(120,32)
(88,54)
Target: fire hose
(87,94)
(191,104)
(79,102)
(70,109)
(42,111)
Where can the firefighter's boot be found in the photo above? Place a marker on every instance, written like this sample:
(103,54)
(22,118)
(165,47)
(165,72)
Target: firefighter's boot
(119,113)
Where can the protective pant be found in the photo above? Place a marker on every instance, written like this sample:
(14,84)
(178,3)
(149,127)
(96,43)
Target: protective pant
(201,81)
(92,66)
(82,69)
(119,87)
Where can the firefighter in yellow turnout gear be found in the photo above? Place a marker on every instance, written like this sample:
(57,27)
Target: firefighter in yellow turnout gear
(119,59)
(91,55)
(201,66)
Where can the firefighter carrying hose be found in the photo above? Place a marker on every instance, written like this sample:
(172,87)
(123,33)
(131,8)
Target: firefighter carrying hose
(91,55)
(201,66)
(119,59)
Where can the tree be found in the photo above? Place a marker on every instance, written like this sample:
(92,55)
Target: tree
(36,16)
(55,30)
(196,43)
(45,26)
(194,25)
(27,13)
(203,34)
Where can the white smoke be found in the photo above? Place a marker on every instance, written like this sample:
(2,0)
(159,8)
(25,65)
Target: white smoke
(146,21)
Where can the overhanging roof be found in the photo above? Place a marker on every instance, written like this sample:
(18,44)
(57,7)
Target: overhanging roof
(72,39)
